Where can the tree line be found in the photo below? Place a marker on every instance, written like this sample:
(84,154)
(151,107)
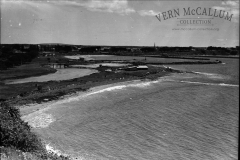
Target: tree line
(10,56)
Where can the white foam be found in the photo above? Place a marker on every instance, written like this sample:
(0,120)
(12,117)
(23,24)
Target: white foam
(120,87)
(50,149)
(230,85)
(57,152)
(213,84)
(204,73)
(108,89)
(96,90)
(211,75)
(42,120)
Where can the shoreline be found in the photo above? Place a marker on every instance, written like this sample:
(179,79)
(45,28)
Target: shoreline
(29,111)
(10,92)
(44,104)
(55,90)
(29,108)
(76,93)
(41,92)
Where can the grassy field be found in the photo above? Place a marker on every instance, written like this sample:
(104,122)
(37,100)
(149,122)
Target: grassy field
(27,70)
(23,71)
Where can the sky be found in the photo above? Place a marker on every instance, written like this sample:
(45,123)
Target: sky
(118,22)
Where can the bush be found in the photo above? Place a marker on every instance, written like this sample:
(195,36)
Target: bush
(16,133)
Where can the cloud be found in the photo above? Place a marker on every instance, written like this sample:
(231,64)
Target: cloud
(220,40)
(147,13)
(230,3)
(112,6)
(230,6)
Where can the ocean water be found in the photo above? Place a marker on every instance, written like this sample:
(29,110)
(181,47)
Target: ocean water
(182,116)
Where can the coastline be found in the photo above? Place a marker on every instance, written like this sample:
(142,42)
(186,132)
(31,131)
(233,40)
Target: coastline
(35,115)
(15,92)
(31,111)
(55,90)
(29,108)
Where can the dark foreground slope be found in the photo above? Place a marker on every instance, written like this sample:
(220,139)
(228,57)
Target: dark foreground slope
(16,139)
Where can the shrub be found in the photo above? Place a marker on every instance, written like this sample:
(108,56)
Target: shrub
(16,133)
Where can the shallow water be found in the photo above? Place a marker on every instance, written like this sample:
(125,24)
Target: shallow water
(61,74)
(103,64)
(181,116)
(127,58)
(87,57)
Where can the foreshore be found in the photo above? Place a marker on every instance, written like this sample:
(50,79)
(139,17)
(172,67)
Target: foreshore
(33,109)
(41,96)
(36,92)
(36,117)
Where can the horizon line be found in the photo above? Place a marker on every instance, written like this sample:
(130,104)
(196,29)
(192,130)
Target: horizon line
(109,45)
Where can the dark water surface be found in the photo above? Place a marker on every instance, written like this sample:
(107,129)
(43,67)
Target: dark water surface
(182,116)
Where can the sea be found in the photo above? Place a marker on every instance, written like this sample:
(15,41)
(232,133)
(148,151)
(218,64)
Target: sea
(183,116)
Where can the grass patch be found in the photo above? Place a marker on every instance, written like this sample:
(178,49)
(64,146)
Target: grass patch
(16,139)
(15,132)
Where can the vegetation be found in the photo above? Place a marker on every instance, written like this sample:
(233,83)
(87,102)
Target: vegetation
(15,135)
(16,139)
(10,57)
(15,132)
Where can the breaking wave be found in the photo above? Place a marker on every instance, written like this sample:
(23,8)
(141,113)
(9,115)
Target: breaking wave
(213,84)
(211,75)
(42,120)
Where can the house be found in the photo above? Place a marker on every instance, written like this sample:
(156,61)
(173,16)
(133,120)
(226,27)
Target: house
(142,67)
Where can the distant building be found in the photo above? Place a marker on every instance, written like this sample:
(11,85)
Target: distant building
(47,54)
(135,50)
(142,67)
(26,46)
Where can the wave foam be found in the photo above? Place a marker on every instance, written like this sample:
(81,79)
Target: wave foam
(42,120)
(213,84)
(80,95)
(120,87)
(211,75)
(108,89)
(57,152)
(230,85)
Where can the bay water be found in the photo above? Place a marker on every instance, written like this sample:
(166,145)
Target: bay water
(181,116)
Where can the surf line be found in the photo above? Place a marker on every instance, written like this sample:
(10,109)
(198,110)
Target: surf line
(213,84)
